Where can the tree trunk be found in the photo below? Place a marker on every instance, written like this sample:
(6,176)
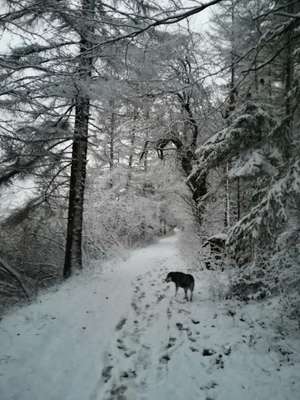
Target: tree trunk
(232,101)
(112,142)
(112,137)
(73,252)
(289,70)
(130,159)
(227,200)
(147,117)
(238,189)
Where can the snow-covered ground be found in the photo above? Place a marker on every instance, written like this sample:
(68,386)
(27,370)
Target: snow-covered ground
(120,334)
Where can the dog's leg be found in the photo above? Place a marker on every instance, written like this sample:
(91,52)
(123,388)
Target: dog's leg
(185,292)
(192,290)
(176,290)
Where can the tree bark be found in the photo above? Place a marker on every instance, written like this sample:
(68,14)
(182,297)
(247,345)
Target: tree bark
(232,101)
(130,159)
(238,189)
(112,137)
(73,251)
(289,69)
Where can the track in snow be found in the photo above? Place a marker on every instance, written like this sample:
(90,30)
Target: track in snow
(121,335)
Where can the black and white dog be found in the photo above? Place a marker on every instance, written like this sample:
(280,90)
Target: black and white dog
(185,281)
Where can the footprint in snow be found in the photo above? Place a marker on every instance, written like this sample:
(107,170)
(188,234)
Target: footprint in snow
(136,308)
(160,298)
(164,359)
(220,361)
(120,324)
(128,374)
(106,373)
(117,392)
(208,352)
(209,385)
(129,353)
(121,345)
(171,343)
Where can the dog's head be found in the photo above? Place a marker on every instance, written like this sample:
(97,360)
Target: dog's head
(169,277)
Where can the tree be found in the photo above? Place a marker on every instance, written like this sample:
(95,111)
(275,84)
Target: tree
(259,143)
(73,254)
(49,79)
(182,91)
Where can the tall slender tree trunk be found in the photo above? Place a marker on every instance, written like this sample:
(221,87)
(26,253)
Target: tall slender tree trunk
(130,159)
(197,184)
(146,157)
(227,199)
(112,136)
(232,101)
(289,69)
(288,78)
(238,200)
(147,117)
(73,251)
(112,142)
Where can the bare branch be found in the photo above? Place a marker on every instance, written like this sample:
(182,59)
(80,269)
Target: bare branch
(17,277)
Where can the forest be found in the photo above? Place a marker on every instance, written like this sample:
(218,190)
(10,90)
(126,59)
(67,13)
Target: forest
(127,122)
(124,129)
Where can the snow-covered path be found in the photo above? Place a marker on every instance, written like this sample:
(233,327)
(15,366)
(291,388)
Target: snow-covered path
(121,335)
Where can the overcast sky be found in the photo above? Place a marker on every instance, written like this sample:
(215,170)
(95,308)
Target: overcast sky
(198,23)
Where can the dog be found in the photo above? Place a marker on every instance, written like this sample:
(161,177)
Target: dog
(185,281)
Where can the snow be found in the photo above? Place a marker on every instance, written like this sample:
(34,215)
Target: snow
(118,333)
(15,196)
(220,235)
(251,164)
